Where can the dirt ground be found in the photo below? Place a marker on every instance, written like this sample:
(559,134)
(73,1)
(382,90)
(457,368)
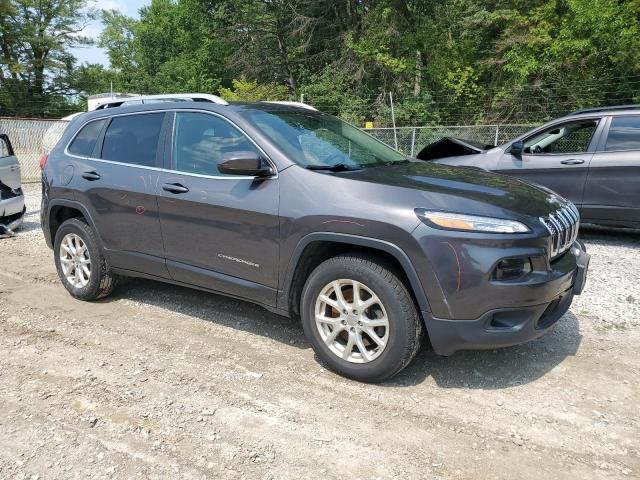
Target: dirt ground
(164,382)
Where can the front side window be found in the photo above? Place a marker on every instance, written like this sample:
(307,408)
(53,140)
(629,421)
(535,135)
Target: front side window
(201,140)
(571,137)
(316,139)
(86,139)
(133,139)
(624,134)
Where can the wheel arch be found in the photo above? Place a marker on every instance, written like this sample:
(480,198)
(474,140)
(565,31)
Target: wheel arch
(315,248)
(61,210)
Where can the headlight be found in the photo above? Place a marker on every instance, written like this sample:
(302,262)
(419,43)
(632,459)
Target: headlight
(470,223)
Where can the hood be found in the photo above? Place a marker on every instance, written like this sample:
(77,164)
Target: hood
(463,189)
(449,147)
(486,159)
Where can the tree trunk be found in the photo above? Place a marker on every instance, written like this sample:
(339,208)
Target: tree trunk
(284,55)
(418,74)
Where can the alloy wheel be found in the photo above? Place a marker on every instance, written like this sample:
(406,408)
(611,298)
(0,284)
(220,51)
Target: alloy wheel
(352,321)
(75,260)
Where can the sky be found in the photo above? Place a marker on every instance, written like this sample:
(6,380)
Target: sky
(95,54)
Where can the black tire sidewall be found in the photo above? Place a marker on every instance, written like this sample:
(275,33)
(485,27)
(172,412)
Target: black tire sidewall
(401,325)
(84,231)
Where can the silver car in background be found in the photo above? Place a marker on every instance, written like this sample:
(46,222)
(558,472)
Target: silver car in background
(591,157)
(12,207)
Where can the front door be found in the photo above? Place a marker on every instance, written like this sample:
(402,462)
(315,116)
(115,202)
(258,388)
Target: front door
(220,231)
(558,158)
(612,193)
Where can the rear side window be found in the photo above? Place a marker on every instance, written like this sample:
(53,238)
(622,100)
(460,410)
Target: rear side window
(133,139)
(86,139)
(624,134)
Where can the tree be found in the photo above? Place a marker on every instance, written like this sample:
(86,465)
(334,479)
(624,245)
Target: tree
(447,61)
(263,40)
(570,54)
(172,47)
(244,90)
(35,37)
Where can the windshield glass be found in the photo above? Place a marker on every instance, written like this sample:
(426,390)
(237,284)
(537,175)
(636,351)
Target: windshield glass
(313,139)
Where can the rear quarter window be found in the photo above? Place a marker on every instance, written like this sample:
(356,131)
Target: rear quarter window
(85,141)
(624,134)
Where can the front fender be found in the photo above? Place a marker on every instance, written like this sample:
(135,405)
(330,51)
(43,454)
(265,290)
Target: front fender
(419,290)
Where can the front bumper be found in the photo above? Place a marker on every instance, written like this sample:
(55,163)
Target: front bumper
(513,325)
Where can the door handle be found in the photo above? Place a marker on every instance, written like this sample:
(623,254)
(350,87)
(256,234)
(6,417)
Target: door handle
(13,168)
(572,161)
(91,176)
(175,188)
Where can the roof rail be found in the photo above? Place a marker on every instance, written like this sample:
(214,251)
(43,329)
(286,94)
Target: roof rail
(606,109)
(170,97)
(292,104)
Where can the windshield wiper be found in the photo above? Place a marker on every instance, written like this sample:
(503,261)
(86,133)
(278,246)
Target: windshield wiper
(338,167)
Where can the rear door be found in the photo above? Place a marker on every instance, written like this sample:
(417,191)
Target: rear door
(612,192)
(9,166)
(115,174)
(220,231)
(557,157)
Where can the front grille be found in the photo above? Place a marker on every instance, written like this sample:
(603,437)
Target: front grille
(563,226)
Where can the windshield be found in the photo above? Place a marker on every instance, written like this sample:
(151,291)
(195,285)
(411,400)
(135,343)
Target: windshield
(314,139)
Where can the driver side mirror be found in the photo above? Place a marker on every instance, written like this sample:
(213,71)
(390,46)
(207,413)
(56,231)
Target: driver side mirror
(245,163)
(516,149)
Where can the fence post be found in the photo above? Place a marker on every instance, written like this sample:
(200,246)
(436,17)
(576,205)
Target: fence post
(495,142)
(393,120)
(413,141)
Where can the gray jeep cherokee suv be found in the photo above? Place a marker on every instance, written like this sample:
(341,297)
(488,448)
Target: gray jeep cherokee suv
(306,215)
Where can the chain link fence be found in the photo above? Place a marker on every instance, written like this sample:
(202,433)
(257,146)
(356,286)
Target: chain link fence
(32,137)
(410,140)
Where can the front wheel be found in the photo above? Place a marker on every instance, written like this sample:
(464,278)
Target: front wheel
(360,318)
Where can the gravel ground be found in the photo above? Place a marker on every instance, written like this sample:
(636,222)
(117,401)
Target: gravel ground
(165,382)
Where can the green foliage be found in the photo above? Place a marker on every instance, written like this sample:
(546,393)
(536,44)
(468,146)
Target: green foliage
(118,39)
(244,90)
(35,64)
(173,47)
(409,111)
(445,61)
(334,91)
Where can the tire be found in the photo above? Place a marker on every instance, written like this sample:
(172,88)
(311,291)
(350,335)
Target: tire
(100,282)
(403,331)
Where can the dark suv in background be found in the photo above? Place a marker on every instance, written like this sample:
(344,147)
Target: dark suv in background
(307,215)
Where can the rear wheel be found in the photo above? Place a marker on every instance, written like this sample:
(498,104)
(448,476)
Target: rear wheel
(81,266)
(360,318)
